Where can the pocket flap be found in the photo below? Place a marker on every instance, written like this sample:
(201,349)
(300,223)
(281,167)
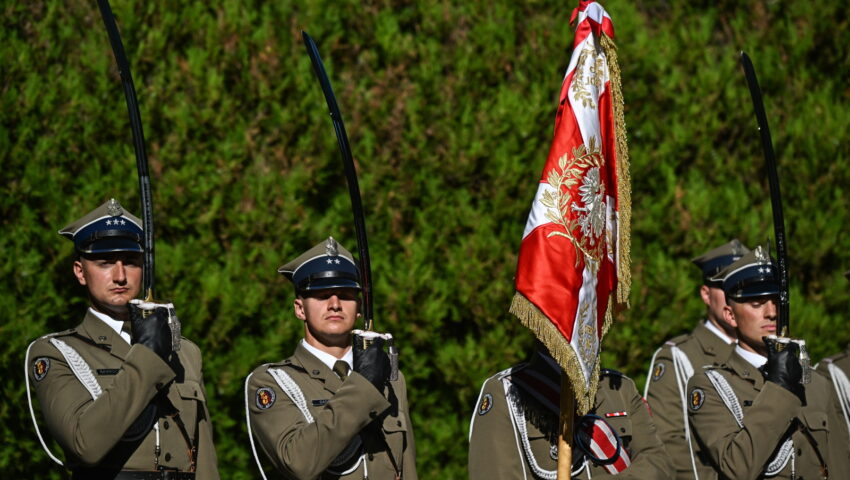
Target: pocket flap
(191,389)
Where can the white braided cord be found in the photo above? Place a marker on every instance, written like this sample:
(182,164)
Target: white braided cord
(32,411)
(293,391)
(785,452)
(684,371)
(79,366)
(518,416)
(248,423)
(842,388)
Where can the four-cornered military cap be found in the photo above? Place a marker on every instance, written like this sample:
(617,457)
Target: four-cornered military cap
(327,265)
(715,260)
(108,228)
(753,275)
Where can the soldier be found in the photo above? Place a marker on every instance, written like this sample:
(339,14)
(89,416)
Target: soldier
(115,396)
(674,363)
(751,414)
(330,410)
(514,428)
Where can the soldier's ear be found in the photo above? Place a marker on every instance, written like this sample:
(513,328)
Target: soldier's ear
(298,307)
(78,272)
(705,294)
(729,316)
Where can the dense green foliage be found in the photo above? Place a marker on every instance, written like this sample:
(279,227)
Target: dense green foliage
(449,106)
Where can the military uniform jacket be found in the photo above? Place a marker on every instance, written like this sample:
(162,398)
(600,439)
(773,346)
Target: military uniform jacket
(667,398)
(499,449)
(837,369)
(352,423)
(769,412)
(90,431)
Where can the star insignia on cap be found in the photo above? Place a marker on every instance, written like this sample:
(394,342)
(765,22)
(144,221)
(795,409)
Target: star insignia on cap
(330,261)
(122,222)
(109,222)
(336,261)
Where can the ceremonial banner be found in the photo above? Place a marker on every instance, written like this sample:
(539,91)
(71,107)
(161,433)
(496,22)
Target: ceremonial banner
(573,267)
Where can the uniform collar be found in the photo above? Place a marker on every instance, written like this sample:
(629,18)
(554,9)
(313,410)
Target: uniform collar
(328,359)
(744,369)
(114,324)
(752,358)
(102,334)
(717,331)
(315,368)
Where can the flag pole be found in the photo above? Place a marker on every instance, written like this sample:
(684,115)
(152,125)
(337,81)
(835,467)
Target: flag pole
(565,435)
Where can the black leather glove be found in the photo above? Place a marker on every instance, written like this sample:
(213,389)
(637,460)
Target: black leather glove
(151,331)
(784,369)
(372,362)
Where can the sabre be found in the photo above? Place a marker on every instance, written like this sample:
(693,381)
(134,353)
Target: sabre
(782,322)
(350,176)
(138,144)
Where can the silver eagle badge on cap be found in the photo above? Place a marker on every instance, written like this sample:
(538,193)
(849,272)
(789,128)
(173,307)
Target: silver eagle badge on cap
(331,247)
(113,208)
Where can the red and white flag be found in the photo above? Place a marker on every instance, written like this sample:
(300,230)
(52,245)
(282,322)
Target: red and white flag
(573,266)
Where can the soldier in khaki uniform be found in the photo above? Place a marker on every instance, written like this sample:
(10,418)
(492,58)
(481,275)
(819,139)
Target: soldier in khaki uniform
(513,432)
(330,410)
(675,362)
(117,399)
(752,415)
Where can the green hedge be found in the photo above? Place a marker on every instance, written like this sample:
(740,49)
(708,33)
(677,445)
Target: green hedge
(449,106)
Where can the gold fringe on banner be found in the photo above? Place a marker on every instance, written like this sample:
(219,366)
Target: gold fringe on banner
(560,349)
(624,180)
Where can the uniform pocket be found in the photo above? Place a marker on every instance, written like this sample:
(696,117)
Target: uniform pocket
(191,390)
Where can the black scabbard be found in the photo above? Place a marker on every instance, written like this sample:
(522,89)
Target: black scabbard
(350,176)
(138,143)
(783,322)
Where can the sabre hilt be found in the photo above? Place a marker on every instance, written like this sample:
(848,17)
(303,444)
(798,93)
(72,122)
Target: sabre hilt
(777,344)
(368,336)
(147,307)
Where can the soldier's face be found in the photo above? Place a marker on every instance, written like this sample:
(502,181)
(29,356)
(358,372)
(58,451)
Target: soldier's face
(329,316)
(112,279)
(753,319)
(714,300)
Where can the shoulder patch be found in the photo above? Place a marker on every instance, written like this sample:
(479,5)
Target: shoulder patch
(486,404)
(697,398)
(658,371)
(265,398)
(40,367)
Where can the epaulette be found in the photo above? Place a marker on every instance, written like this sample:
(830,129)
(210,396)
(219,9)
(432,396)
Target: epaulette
(612,372)
(63,333)
(836,357)
(679,339)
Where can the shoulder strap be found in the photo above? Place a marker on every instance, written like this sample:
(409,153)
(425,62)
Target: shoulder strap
(721,385)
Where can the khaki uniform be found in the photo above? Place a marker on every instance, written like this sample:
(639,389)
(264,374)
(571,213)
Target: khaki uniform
(769,411)
(840,380)
(665,395)
(342,412)
(501,448)
(90,431)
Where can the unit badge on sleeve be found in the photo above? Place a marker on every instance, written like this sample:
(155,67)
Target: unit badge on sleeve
(697,398)
(486,404)
(265,398)
(40,367)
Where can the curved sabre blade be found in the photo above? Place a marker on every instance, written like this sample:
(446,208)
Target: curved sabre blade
(350,176)
(782,324)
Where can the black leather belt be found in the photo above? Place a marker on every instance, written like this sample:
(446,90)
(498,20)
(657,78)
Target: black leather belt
(158,475)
